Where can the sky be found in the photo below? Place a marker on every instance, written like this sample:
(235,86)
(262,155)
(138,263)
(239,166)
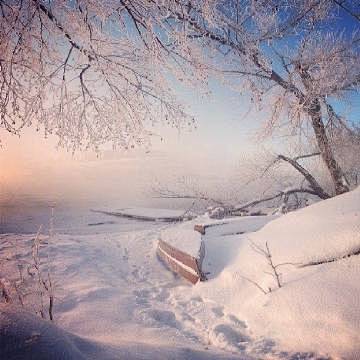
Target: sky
(32,166)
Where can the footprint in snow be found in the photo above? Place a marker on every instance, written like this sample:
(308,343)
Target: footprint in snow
(160,318)
(126,254)
(197,299)
(218,311)
(186,317)
(142,297)
(236,321)
(135,273)
(162,295)
(226,337)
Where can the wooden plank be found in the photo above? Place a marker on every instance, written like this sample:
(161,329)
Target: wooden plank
(201,228)
(175,267)
(174,258)
(179,255)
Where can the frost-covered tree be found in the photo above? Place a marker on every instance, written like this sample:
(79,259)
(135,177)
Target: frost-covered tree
(293,56)
(88,71)
(95,72)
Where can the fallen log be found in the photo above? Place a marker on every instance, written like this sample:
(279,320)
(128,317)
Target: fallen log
(148,214)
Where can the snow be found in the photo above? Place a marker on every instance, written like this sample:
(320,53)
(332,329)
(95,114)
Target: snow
(25,336)
(317,307)
(237,225)
(115,299)
(183,237)
(113,292)
(328,229)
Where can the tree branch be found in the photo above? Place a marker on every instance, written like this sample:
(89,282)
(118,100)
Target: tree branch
(58,24)
(273,197)
(316,187)
(296,158)
(346,9)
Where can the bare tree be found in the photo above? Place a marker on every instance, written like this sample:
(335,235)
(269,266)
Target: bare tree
(25,274)
(348,149)
(273,267)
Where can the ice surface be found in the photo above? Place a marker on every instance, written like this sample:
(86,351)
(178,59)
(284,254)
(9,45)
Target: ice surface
(153,212)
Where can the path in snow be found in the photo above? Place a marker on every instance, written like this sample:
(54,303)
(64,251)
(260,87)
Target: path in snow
(112,288)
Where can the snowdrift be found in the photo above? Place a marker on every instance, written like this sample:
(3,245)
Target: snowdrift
(25,336)
(322,232)
(317,307)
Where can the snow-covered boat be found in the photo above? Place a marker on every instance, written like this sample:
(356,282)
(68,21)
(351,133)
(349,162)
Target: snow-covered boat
(183,251)
(182,246)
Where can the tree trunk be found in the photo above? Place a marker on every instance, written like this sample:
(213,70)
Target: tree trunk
(337,175)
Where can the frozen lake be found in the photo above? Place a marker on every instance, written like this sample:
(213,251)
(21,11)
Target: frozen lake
(26,219)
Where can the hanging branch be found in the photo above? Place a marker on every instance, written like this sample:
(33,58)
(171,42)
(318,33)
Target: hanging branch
(314,185)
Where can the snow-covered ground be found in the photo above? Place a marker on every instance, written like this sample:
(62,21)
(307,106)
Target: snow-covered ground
(112,289)
(317,308)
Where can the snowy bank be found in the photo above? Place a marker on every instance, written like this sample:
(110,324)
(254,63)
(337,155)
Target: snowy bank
(317,308)
(112,291)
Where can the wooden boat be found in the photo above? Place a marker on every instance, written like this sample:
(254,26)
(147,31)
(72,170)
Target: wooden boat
(182,246)
(181,263)
(182,250)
